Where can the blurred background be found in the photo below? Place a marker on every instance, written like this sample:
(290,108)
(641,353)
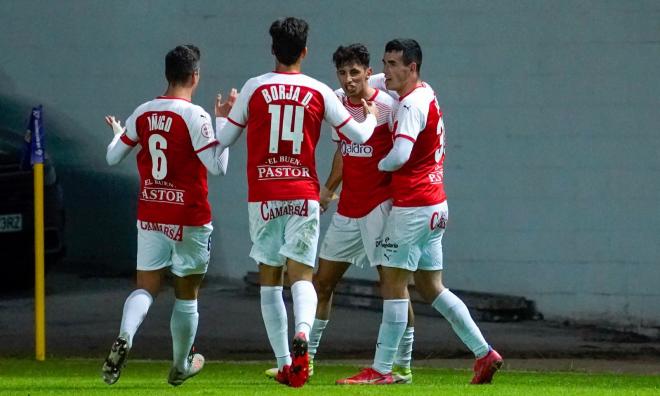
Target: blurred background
(551,110)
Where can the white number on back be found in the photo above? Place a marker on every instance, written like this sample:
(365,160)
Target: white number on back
(441,136)
(157,144)
(294,134)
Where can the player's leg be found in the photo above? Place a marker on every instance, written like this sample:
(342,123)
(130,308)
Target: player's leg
(273,312)
(301,237)
(153,257)
(266,236)
(190,261)
(325,281)
(342,246)
(394,283)
(401,368)
(428,281)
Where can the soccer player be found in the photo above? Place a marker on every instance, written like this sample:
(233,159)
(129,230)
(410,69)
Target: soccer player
(364,202)
(412,239)
(282,111)
(177,148)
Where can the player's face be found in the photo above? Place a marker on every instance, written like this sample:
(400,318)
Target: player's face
(353,79)
(396,72)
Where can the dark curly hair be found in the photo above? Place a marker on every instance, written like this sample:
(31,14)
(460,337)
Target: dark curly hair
(354,53)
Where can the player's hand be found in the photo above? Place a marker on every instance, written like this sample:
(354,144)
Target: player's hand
(326,198)
(370,108)
(115,124)
(222,109)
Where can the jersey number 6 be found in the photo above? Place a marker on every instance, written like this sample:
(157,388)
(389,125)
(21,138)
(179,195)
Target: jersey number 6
(285,119)
(157,144)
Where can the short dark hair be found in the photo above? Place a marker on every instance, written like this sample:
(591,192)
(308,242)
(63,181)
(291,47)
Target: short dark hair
(412,52)
(289,39)
(181,63)
(354,53)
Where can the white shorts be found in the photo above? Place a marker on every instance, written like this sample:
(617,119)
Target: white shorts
(353,240)
(412,238)
(284,229)
(186,249)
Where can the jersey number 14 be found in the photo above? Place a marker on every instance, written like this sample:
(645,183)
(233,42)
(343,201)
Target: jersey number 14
(281,127)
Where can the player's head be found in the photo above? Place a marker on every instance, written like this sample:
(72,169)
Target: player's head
(289,40)
(182,66)
(401,63)
(353,71)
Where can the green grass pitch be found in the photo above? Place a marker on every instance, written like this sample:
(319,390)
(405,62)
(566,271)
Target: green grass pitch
(80,377)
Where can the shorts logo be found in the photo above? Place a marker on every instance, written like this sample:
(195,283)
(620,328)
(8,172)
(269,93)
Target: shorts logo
(352,149)
(438,221)
(270,213)
(174,232)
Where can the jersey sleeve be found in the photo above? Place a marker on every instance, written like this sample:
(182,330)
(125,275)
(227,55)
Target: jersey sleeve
(335,112)
(200,129)
(410,121)
(334,134)
(130,137)
(239,112)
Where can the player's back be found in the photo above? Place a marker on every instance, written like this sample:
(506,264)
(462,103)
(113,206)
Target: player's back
(283,113)
(173,181)
(420,182)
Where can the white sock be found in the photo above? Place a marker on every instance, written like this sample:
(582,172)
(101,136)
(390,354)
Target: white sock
(304,306)
(457,314)
(183,326)
(395,319)
(404,351)
(273,312)
(315,336)
(135,309)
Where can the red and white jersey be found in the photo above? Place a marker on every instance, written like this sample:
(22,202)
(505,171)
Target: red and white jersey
(173,186)
(283,114)
(363,186)
(418,118)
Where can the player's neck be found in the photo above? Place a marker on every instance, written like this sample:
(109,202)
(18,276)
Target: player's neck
(409,87)
(366,94)
(176,91)
(282,68)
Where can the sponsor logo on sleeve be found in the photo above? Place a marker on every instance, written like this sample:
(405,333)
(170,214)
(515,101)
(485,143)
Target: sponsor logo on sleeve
(207,131)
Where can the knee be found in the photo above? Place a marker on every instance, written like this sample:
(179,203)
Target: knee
(324,289)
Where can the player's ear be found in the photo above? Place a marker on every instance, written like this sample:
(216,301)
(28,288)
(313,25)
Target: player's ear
(370,71)
(413,67)
(303,53)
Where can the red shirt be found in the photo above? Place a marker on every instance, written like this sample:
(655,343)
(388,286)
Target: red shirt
(283,113)
(173,185)
(420,182)
(363,186)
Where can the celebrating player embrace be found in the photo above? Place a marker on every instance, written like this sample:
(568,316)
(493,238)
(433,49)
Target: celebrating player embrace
(412,239)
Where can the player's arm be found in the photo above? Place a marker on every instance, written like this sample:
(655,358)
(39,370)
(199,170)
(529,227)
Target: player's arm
(215,159)
(360,132)
(398,155)
(332,183)
(121,144)
(231,116)
(410,122)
